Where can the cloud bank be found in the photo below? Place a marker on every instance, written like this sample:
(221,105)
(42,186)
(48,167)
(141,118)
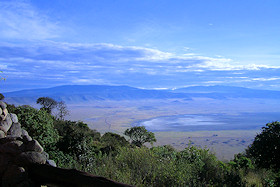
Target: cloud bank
(47,64)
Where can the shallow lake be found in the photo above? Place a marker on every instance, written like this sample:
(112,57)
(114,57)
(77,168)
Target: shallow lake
(196,122)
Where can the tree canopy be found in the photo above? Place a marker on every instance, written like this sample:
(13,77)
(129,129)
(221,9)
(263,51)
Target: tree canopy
(265,148)
(38,123)
(140,135)
(47,103)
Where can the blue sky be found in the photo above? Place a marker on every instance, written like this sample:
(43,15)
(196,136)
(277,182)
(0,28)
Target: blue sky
(140,43)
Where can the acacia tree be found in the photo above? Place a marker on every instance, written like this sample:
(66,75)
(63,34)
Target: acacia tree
(47,103)
(265,149)
(140,135)
(62,110)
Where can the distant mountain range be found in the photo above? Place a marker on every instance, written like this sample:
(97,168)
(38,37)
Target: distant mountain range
(220,92)
(86,93)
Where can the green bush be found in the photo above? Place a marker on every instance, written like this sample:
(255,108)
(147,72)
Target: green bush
(111,142)
(38,123)
(76,138)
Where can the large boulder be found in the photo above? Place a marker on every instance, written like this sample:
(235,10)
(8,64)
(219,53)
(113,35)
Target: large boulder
(2,134)
(30,157)
(14,118)
(12,147)
(15,130)
(6,124)
(4,114)
(3,105)
(25,136)
(34,145)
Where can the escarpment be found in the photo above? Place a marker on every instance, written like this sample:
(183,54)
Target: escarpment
(23,161)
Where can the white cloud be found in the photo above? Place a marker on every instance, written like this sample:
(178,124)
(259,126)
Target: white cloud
(19,20)
(88,81)
(3,67)
(75,63)
(266,79)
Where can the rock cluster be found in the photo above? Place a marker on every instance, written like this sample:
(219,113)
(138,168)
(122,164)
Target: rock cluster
(17,151)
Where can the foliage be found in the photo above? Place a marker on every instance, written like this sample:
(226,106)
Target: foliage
(265,149)
(240,161)
(75,138)
(112,142)
(163,166)
(38,123)
(72,144)
(62,159)
(140,135)
(48,104)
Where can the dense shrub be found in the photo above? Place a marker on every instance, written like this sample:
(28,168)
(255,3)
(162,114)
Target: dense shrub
(38,123)
(76,139)
(111,142)
(265,149)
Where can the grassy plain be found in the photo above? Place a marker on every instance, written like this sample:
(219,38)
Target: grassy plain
(117,116)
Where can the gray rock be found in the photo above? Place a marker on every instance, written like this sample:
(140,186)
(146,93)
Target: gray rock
(15,130)
(4,114)
(13,147)
(51,163)
(6,124)
(2,134)
(25,136)
(34,145)
(3,105)
(30,157)
(14,118)
(8,139)
(46,154)
(1,110)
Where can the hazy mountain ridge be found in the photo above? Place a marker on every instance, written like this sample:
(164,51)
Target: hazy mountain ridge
(227,92)
(85,93)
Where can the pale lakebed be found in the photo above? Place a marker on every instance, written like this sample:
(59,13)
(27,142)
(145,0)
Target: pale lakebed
(209,122)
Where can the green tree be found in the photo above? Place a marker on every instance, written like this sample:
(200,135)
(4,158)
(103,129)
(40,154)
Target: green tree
(38,123)
(140,135)
(112,142)
(76,138)
(47,103)
(265,148)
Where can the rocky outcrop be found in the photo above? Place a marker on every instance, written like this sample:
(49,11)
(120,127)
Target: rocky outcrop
(24,163)
(17,151)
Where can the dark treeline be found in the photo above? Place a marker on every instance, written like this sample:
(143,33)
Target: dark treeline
(72,144)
